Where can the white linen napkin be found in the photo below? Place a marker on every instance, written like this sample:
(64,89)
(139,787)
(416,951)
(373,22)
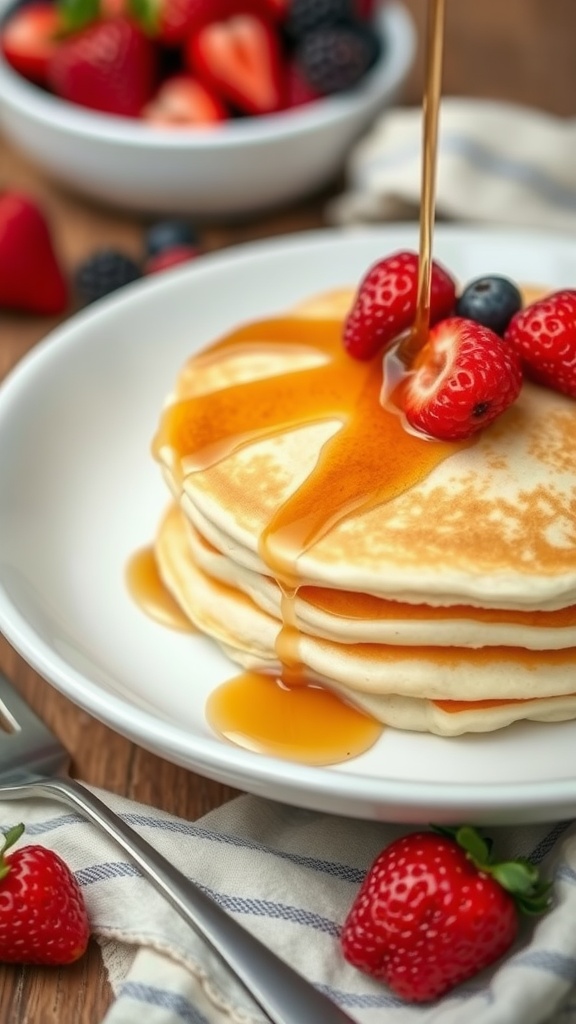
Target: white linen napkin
(289,876)
(497,163)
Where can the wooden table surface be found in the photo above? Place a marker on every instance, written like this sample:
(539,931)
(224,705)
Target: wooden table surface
(521,50)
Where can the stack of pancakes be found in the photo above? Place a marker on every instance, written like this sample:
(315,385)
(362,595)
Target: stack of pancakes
(433,585)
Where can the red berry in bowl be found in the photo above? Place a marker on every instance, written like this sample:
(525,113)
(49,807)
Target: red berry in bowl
(544,337)
(462,379)
(109,66)
(434,910)
(172,22)
(241,60)
(183,101)
(299,92)
(29,38)
(385,303)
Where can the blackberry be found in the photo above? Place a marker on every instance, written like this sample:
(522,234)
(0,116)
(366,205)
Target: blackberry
(491,301)
(335,58)
(304,16)
(167,234)
(104,272)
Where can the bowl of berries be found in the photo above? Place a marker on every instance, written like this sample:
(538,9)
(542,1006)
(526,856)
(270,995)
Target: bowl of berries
(204,107)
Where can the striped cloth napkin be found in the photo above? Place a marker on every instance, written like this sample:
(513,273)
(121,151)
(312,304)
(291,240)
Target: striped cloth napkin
(497,163)
(289,876)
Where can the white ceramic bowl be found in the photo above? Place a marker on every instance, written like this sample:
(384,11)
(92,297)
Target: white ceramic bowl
(238,168)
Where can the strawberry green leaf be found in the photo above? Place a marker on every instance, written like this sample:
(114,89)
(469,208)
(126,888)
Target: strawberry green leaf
(470,840)
(531,894)
(145,12)
(516,876)
(78,13)
(475,846)
(10,837)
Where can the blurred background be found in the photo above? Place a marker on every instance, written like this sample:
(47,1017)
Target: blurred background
(519,50)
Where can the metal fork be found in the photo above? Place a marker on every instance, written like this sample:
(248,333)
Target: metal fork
(31,762)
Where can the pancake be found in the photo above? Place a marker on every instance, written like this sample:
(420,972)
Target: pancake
(490,524)
(432,584)
(368,675)
(349,617)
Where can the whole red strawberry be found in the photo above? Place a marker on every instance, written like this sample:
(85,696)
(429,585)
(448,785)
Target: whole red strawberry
(544,336)
(43,918)
(385,303)
(433,911)
(31,279)
(109,66)
(461,380)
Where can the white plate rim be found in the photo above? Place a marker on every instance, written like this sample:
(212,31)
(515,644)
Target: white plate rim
(390,799)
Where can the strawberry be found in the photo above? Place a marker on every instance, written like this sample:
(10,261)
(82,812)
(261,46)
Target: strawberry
(240,58)
(385,303)
(276,8)
(168,258)
(433,911)
(29,37)
(544,336)
(109,66)
(298,90)
(43,919)
(173,21)
(365,9)
(461,380)
(31,279)
(182,101)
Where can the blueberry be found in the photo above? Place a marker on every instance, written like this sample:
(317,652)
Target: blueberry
(491,301)
(104,272)
(168,234)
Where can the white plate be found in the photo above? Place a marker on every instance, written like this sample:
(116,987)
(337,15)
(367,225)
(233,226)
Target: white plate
(79,492)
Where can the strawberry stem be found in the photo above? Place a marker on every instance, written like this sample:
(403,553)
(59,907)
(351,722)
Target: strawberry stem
(78,13)
(521,878)
(10,837)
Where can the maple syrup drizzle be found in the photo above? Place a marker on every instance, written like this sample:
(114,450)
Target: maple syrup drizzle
(431,109)
(146,587)
(401,356)
(370,459)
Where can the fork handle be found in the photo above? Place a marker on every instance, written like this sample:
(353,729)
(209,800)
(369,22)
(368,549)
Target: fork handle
(283,994)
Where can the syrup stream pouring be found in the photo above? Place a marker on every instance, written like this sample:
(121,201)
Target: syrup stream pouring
(31,758)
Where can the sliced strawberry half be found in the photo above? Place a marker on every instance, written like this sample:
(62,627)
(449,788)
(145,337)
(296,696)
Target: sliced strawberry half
(385,303)
(462,379)
(240,58)
(109,66)
(29,38)
(183,101)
